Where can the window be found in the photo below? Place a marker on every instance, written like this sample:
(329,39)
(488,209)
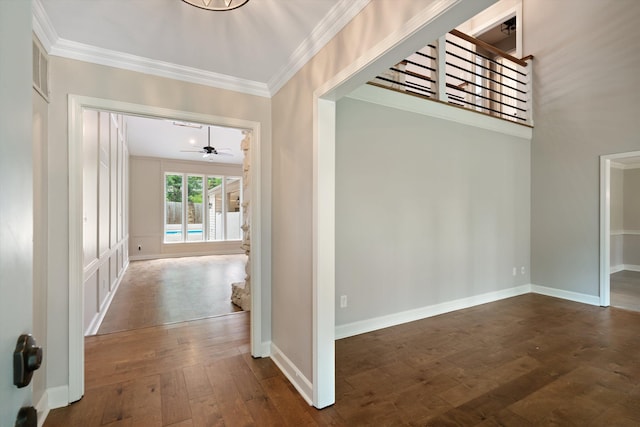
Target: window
(212,211)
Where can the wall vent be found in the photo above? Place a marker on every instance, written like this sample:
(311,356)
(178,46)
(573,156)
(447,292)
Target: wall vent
(40,70)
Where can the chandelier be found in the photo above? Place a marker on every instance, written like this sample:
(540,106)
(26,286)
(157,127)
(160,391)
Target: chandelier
(217,5)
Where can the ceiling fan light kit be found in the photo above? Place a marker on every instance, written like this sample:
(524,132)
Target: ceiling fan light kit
(217,5)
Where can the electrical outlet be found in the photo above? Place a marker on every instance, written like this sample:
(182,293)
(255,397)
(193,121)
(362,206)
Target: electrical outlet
(515,271)
(139,247)
(343,301)
(522,270)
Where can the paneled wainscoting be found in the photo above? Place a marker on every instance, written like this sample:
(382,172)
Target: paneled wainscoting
(522,361)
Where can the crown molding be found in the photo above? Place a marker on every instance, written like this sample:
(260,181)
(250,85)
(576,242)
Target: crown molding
(42,26)
(97,55)
(56,46)
(339,16)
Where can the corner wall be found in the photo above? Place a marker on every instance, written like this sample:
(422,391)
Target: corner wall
(428,211)
(583,108)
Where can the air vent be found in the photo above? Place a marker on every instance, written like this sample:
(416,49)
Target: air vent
(40,70)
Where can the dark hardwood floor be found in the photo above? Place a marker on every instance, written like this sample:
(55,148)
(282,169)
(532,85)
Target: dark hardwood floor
(162,291)
(525,361)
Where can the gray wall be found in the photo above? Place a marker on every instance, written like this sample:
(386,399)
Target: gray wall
(427,210)
(585,106)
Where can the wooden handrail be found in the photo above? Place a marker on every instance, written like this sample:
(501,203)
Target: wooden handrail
(527,58)
(487,46)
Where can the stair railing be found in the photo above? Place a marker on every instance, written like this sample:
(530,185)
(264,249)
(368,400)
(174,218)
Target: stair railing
(466,72)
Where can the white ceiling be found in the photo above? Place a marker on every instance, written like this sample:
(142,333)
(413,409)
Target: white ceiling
(254,49)
(174,139)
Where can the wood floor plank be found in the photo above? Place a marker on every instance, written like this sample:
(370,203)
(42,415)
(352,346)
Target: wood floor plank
(197,382)
(205,412)
(525,361)
(174,397)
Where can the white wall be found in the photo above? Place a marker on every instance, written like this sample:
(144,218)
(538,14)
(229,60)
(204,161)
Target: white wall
(105,240)
(427,211)
(147,208)
(583,108)
(81,78)
(16,198)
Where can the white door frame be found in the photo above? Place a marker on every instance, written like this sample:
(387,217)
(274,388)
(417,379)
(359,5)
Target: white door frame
(77,104)
(605,222)
(426,26)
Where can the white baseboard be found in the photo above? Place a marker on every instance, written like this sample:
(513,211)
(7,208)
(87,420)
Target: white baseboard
(568,295)
(629,267)
(42,408)
(265,349)
(58,397)
(293,374)
(616,268)
(364,326)
(99,317)
(230,251)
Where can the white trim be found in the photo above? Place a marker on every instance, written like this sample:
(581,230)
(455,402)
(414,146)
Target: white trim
(266,349)
(42,26)
(625,232)
(364,326)
(97,55)
(323,258)
(229,251)
(606,162)
(429,24)
(99,316)
(339,16)
(616,269)
(76,333)
(293,374)
(625,267)
(58,397)
(568,295)
(42,408)
(625,166)
(401,101)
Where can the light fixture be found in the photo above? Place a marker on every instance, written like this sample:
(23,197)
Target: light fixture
(508,26)
(217,5)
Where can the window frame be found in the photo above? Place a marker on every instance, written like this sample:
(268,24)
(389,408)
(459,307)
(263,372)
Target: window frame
(206,221)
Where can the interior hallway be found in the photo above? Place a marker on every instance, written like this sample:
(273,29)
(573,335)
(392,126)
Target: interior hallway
(162,291)
(524,361)
(625,290)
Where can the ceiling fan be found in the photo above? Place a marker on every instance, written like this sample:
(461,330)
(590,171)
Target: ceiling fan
(208,150)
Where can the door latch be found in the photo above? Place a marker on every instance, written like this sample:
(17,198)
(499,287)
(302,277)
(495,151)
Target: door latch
(27,357)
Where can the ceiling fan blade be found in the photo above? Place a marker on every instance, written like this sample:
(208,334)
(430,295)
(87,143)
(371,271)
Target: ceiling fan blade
(224,153)
(191,151)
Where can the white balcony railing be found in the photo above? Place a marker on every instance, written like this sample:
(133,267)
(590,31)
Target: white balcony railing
(469,73)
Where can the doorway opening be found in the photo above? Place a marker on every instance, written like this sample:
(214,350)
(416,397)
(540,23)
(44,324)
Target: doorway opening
(620,230)
(77,106)
(184,229)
